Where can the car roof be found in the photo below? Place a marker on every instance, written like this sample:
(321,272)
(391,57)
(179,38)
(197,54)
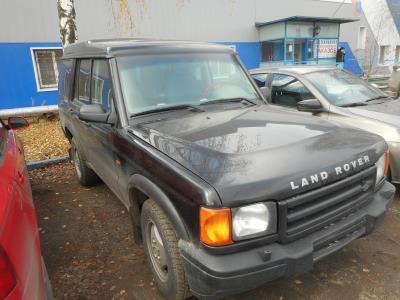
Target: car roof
(294,69)
(115,47)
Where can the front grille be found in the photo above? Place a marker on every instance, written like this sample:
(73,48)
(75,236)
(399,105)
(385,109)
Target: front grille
(314,210)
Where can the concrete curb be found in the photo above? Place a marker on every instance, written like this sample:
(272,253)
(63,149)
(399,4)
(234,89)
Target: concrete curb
(42,163)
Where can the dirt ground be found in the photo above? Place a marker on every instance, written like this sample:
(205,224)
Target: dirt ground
(89,251)
(43,139)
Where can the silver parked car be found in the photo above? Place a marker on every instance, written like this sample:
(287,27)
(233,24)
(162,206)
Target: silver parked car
(338,96)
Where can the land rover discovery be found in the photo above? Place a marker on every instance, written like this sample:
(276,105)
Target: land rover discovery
(225,192)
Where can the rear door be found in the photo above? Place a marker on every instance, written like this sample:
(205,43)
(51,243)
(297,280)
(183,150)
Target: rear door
(81,96)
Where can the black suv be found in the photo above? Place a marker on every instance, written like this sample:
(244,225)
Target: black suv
(225,192)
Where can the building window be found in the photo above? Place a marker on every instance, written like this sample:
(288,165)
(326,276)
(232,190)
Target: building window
(45,66)
(382,54)
(397,56)
(362,36)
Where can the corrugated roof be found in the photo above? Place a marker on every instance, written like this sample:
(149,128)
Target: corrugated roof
(309,19)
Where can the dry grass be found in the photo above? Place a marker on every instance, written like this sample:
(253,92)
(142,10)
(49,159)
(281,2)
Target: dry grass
(43,139)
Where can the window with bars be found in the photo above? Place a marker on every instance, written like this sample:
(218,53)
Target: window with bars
(45,62)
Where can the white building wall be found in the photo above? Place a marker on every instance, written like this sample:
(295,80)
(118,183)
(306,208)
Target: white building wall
(383,28)
(206,20)
(29,21)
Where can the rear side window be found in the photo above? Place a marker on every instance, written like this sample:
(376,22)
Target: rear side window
(101,83)
(82,91)
(65,78)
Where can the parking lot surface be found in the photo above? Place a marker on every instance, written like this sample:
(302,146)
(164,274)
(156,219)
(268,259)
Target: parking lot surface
(89,251)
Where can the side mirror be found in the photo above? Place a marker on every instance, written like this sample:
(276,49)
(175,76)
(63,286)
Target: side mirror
(16,123)
(266,92)
(310,105)
(93,113)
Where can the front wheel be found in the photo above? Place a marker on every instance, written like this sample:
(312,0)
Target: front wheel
(86,176)
(161,248)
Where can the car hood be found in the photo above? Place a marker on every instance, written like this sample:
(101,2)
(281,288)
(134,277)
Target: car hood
(260,153)
(387,112)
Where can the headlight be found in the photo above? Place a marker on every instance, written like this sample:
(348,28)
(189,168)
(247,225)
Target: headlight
(254,220)
(382,167)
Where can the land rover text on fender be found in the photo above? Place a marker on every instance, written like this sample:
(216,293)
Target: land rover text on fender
(225,192)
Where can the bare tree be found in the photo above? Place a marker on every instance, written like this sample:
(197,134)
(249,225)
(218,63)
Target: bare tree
(381,27)
(66,15)
(372,51)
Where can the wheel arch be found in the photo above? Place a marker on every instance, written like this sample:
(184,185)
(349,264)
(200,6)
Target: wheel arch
(140,189)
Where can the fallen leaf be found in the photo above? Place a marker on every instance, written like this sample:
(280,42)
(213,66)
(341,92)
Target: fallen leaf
(298,281)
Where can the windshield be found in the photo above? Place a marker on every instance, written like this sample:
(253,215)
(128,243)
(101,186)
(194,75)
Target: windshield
(156,81)
(343,89)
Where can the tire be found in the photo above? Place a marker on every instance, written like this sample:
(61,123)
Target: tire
(86,176)
(170,280)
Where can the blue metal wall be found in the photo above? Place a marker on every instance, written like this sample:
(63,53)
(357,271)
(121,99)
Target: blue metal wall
(17,77)
(350,62)
(249,53)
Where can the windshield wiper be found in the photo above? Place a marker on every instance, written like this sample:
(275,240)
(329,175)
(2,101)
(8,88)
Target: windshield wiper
(227,100)
(355,104)
(376,98)
(168,108)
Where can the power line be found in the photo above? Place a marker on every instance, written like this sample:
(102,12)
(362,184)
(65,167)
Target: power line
(339,7)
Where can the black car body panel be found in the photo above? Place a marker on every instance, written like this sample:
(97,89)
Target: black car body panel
(228,155)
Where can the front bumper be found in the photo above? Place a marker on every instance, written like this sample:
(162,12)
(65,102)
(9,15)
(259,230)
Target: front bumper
(214,276)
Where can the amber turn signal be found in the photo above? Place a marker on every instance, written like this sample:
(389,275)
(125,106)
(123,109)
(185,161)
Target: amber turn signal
(216,226)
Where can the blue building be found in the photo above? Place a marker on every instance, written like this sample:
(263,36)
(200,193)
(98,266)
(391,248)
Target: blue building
(262,32)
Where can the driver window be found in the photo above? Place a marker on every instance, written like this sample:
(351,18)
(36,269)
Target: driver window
(101,84)
(287,91)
